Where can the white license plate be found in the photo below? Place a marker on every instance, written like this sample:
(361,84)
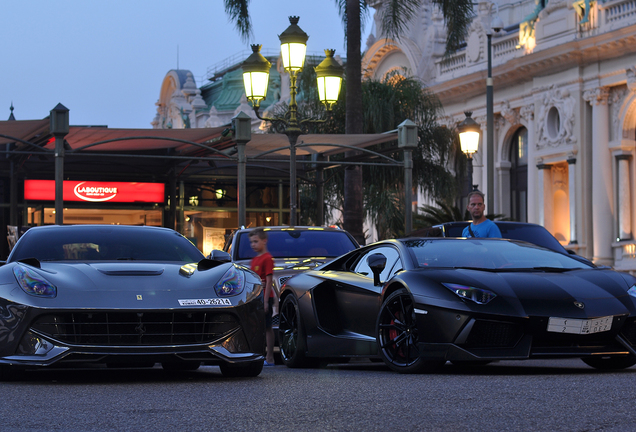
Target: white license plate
(577,326)
(205,302)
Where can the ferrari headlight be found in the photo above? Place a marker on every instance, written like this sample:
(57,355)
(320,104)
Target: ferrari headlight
(632,291)
(478,295)
(231,283)
(32,283)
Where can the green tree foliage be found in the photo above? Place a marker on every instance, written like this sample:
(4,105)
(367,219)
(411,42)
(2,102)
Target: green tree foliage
(386,104)
(443,211)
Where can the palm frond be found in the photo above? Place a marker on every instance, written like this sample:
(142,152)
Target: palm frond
(341,5)
(458,15)
(396,15)
(238,12)
(433,215)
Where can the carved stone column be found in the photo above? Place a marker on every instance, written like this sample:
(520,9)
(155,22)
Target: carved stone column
(543,187)
(624,198)
(572,197)
(602,188)
(527,113)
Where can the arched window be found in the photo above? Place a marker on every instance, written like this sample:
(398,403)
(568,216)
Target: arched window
(519,175)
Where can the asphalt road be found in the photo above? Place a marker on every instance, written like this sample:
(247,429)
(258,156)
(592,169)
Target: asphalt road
(555,395)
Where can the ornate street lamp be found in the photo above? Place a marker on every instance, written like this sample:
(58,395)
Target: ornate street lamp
(293,45)
(256,76)
(329,75)
(469,132)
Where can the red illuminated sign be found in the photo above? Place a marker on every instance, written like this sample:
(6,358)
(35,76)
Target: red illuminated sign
(95,191)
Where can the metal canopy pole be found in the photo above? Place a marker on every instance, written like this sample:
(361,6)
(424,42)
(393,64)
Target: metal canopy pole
(407,140)
(242,126)
(59,126)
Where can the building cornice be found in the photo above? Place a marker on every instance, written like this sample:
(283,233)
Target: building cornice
(576,53)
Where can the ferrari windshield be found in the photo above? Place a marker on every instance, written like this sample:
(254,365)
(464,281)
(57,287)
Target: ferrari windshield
(104,243)
(488,254)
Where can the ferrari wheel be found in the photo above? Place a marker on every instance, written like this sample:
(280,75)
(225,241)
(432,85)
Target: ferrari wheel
(291,337)
(242,370)
(397,336)
(609,363)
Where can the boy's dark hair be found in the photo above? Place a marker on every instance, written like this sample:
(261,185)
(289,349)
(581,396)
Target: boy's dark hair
(260,232)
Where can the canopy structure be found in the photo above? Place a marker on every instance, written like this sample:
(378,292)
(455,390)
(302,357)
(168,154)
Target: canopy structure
(326,145)
(166,154)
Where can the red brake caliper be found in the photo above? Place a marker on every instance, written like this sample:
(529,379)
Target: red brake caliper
(393,334)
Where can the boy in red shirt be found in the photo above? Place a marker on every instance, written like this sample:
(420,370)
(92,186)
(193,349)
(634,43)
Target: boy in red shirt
(263,265)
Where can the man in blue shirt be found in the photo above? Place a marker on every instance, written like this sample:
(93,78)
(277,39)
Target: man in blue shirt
(481,225)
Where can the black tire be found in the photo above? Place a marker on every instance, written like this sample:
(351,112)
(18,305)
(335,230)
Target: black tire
(180,366)
(610,363)
(470,363)
(397,336)
(242,370)
(291,336)
(7,373)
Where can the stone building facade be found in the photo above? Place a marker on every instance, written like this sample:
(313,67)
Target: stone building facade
(564,133)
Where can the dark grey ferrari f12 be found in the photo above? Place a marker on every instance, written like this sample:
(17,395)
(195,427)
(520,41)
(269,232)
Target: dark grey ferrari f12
(126,295)
(419,302)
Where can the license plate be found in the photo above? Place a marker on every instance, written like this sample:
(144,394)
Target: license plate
(205,302)
(577,326)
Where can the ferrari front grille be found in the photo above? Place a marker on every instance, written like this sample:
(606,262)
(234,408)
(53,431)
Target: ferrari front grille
(491,334)
(140,328)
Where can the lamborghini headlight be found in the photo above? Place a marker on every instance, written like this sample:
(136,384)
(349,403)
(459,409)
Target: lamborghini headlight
(32,283)
(632,291)
(477,295)
(231,283)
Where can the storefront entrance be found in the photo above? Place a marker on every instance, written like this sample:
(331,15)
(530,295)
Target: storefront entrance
(75,216)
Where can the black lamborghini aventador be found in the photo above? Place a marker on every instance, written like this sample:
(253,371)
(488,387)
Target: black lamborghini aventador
(419,302)
(126,295)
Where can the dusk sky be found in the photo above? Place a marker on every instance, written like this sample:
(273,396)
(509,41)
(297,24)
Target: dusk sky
(105,60)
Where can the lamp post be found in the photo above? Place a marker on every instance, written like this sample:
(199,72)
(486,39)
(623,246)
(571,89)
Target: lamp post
(293,44)
(469,132)
(59,127)
(496,24)
(407,141)
(242,125)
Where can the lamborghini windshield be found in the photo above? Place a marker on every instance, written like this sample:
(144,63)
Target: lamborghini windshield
(488,254)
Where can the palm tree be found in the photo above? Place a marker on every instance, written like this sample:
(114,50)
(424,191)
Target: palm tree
(386,104)
(396,16)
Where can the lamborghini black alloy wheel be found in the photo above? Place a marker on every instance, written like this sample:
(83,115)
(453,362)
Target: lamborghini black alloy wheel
(397,335)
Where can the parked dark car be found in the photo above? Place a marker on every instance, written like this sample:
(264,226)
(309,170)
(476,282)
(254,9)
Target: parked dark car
(126,295)
(295,249)
(416,303)
(529,232)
